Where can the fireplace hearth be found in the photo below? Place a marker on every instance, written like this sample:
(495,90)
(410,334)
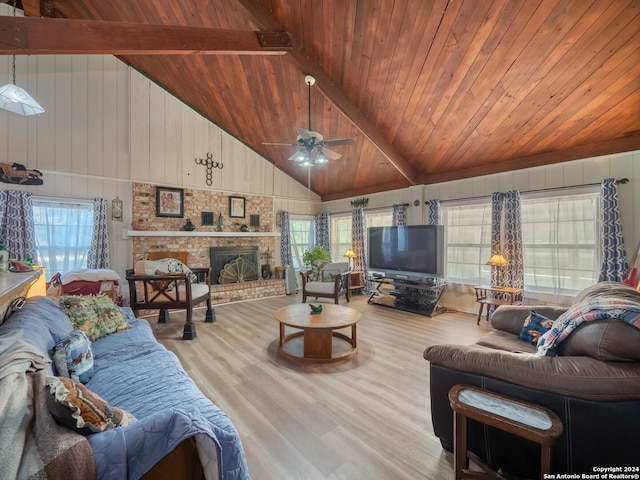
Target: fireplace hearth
(233,264)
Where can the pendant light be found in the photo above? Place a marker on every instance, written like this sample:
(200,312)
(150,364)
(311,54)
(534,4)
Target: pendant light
(16,99)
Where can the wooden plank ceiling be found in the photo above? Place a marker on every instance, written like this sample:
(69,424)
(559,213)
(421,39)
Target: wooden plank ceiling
(431,90)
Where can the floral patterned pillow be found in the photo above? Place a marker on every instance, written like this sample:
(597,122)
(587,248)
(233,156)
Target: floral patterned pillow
(96,315)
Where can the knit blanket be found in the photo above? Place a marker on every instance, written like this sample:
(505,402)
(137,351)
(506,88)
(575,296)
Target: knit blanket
(33,446)
(586,311)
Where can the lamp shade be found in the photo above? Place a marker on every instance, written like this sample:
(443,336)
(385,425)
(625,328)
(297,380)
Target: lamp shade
(17,100)
(349,254)
(497,260)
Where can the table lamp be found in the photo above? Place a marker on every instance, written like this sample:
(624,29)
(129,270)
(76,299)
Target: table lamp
(497,260)
(349,254)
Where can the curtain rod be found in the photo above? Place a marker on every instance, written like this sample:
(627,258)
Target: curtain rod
(621,181)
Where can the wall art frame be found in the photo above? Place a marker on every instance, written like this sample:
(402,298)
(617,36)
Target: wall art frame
(237,207)
(169,202)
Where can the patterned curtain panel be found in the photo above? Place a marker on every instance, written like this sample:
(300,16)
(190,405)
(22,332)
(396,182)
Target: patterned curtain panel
(512,275)
(99,252)
(359,242)
(433,214)
(323,237)
(615,265)
(16,224)
(400,214)
(506,239)
(496,228)
(285,239)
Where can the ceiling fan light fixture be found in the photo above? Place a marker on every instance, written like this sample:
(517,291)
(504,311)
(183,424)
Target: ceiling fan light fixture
(321,158)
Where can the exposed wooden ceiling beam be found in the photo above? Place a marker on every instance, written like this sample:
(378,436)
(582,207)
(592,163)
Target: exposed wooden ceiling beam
(48,36)
(335,94)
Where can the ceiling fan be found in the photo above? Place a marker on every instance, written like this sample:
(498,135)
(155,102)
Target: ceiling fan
(311,145)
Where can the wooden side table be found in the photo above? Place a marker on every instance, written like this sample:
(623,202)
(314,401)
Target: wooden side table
(483,297)
(526,420)
(356,282)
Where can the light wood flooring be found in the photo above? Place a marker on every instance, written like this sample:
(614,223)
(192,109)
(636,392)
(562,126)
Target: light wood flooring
(366,418)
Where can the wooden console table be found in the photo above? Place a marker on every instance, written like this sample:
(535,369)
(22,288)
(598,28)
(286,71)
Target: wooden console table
(484,297)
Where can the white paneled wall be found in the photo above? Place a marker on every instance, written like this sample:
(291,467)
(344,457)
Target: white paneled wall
(106,126)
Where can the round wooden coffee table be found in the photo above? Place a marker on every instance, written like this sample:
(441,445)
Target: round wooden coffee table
(318,331)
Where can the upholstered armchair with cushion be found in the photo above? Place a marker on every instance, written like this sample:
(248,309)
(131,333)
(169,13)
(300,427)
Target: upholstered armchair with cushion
(169,284)
(331,281)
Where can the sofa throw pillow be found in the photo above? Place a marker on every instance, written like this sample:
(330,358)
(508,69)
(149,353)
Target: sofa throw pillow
(73,357)
(176,266)
(74,406)
(329,274)
(534,326)
(97,316)
(163,285)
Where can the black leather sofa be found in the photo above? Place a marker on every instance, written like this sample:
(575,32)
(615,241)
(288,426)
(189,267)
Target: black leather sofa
(593,385)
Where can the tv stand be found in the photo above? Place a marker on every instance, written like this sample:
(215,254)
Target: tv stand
(416,296)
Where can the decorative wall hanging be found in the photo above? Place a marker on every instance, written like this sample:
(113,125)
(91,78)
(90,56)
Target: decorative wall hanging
(169,202)
(210,163)
(116,209)
(206,218)
(236,207)
(360,202)
(19,174)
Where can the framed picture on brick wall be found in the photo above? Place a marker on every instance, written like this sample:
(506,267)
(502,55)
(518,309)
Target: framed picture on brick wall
(169,202)
(237,207)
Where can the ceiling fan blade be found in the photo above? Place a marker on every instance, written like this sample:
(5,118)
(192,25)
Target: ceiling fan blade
(331,154)
(276,143)
(304,133)
(339,141)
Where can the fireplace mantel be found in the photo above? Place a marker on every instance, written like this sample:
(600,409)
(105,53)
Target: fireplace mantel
(184,233)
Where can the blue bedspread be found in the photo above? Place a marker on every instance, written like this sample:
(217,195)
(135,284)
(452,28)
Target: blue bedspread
(134,372)
(138,374)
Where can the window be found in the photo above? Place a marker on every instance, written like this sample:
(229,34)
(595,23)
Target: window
(341,240)
(63,232)
(468,243)
(302,230)
(561,243)
(340,236)
(560,237)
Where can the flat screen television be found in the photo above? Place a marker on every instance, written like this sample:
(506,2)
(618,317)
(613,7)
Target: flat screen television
(410,252)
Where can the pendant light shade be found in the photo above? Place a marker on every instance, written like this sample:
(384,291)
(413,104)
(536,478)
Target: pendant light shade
(17,100)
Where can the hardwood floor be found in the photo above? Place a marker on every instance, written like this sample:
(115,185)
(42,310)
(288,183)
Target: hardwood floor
(367,417)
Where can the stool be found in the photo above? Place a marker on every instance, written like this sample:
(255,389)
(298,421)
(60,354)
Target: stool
(526,420)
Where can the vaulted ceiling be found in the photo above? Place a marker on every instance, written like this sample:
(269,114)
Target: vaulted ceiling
(431,90)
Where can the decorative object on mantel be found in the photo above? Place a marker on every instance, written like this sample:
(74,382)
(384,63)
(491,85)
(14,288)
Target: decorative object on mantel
(254,220)
(206,218)
(244,228)
(315,309)
(210,163)
(116,209)
(237,207)
(189,227)
(220,223)
(360,202)
(19,174)
(169,202)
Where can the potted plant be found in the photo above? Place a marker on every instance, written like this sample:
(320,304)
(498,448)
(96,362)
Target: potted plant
(316,258)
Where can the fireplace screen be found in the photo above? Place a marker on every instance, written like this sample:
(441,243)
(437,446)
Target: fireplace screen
(233,264)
